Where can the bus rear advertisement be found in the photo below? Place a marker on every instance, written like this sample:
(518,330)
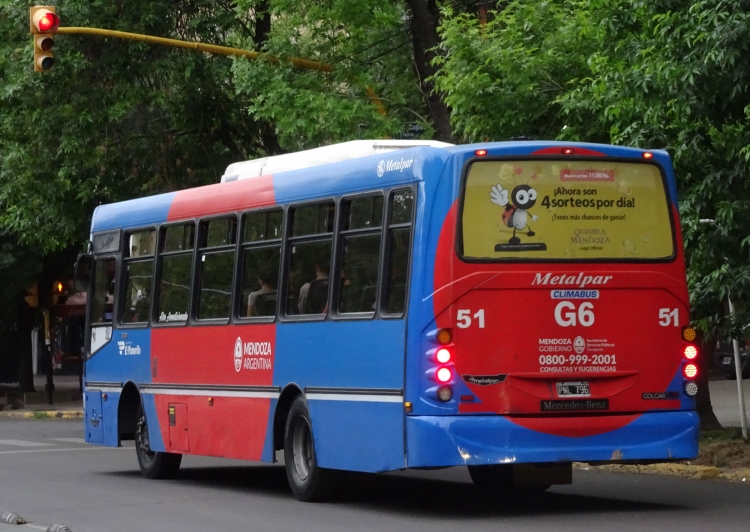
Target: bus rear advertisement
(511,307)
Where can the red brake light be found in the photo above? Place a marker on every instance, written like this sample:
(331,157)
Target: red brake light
(568,151)
(443,375)
(691,352)
(48,21)
(480,153)
(443,355)
(690,371)
(648,155)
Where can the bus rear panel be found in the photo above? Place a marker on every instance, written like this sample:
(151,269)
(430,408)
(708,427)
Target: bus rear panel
(556,308)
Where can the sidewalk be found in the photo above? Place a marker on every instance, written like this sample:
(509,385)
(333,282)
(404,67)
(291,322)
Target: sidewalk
(67,401)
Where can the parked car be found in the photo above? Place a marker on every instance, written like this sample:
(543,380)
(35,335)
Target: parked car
(724,359)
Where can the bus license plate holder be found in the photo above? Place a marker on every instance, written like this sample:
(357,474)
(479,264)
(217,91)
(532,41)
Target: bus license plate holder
(573,389)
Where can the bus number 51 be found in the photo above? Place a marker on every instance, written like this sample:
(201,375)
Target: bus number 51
(463,318)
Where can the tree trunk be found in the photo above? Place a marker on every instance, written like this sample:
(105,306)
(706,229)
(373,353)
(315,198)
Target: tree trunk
(262,31)
(424,23)
(703,399)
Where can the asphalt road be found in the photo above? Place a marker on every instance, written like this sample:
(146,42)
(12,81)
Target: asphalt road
(49,476)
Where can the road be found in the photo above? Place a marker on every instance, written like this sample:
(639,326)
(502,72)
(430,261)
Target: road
(49,476)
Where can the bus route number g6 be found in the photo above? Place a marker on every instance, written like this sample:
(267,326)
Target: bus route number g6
(566,314)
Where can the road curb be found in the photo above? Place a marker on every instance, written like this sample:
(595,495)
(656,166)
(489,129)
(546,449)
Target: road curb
(673,469)
(42,414)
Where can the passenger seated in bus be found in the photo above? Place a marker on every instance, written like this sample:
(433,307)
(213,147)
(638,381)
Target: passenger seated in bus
(262,302)
(313,296)
(138,311)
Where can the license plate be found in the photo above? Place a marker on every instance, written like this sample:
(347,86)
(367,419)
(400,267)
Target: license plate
(726,360)
(573,389)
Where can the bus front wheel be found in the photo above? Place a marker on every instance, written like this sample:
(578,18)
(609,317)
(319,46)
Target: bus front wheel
(308,481)
(153,464)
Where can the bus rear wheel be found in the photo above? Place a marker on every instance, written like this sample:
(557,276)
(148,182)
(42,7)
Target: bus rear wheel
(153,464)
(308,481)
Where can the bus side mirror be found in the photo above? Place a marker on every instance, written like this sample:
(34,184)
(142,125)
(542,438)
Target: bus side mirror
(84,266)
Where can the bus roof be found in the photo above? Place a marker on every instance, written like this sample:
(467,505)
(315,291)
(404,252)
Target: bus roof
(345,151)
(313,174)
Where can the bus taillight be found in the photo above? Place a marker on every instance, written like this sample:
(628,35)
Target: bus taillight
(689,334)
(691,388)
(690,352)
(443,375)
(690,371)
(444,336)
(445,394)
(443,355)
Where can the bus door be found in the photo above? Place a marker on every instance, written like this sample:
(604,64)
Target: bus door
(581,296)
(96,277)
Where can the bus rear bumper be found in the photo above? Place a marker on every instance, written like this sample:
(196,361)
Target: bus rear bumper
(435,441)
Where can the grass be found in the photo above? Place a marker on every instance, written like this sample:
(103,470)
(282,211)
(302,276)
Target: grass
(723,448)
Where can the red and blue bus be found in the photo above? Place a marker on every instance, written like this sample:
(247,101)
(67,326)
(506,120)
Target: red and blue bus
(512,307)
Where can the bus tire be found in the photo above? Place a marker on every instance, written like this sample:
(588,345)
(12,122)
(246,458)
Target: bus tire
(153,464)
(307,480)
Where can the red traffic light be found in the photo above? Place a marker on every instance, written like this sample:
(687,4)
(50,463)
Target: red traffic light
(44,19)
(48,22)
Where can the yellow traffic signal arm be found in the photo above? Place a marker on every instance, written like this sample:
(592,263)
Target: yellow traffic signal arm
(201,47)
(220,50)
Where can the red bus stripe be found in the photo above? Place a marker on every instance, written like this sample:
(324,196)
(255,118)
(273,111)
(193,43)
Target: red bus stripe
(223,197)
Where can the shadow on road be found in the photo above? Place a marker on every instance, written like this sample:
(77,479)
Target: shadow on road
(407,495)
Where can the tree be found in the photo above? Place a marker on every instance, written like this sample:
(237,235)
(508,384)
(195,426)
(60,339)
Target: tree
(115,119)
(670,74)
(368,45)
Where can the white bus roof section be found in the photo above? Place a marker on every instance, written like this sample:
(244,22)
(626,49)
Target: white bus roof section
(334,153)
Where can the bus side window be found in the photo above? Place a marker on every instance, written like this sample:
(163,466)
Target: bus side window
(102,291)
(361,228)
(399,247)
(138,263)
(261,259)
(176,261)
(216,266)
(311,243)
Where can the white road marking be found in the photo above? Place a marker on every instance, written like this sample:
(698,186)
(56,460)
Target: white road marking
(69,440)
(92,448)
(22,443)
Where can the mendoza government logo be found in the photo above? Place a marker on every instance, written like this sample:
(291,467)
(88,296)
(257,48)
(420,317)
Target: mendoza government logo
(392,165)
(252,355)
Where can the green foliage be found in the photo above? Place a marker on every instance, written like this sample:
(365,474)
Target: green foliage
(501,79)
(368,44)
(115,119)
(671,74)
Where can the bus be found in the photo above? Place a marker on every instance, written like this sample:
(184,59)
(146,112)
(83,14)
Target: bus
(512,307)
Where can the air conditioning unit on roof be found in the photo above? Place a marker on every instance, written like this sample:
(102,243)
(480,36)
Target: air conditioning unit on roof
(334,153)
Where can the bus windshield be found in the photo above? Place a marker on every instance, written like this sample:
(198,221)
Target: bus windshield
(565,210)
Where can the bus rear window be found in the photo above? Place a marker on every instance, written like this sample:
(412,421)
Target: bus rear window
(565,210)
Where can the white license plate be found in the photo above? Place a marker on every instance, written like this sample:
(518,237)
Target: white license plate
(726,360)
(573,389)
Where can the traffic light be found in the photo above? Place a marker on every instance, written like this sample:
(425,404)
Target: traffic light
(44,23)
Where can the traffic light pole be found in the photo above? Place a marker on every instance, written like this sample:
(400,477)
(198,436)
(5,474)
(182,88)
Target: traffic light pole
(219,50)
